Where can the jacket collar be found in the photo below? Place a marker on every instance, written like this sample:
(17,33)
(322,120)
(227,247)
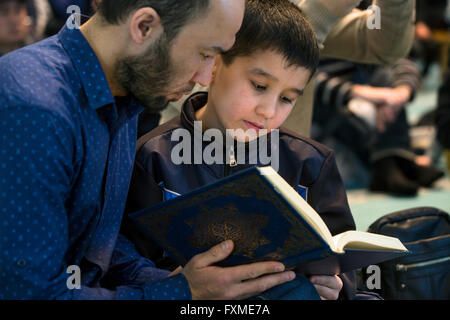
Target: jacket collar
(187,117)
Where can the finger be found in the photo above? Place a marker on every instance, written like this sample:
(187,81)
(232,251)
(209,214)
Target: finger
(253,287)
(381,120)
(176,271)
(380,124)
(213,255)
(327,293)
(332,282)
(254,270)
(390,115)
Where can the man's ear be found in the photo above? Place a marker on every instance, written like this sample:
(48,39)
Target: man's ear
(143,25)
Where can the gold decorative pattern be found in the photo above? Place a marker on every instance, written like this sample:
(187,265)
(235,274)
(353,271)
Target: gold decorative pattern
(213,217)
(214,225)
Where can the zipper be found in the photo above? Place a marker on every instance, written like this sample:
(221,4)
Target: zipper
(233,163)
(406,267)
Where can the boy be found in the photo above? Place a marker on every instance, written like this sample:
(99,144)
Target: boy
(254,87)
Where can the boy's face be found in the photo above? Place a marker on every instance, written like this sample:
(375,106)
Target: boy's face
(255,92)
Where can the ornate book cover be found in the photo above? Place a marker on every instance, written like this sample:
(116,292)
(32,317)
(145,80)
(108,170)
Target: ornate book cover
(246,208)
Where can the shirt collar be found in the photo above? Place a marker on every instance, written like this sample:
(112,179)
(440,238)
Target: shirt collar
(88,67)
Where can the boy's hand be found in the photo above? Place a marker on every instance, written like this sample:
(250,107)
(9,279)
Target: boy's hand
(211,282)
(328,287)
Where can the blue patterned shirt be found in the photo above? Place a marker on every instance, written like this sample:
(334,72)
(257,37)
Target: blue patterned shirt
(66,156)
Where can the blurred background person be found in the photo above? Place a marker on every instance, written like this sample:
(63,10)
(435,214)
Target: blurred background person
(22,22)
(431,15)
(363,108)
(443,117)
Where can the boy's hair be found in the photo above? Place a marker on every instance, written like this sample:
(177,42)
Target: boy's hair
(277,25)
(174,14)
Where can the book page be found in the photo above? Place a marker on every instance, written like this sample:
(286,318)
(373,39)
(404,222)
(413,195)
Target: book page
(367,241)
(300,205)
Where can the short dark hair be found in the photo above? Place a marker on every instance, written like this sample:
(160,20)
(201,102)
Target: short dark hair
(22,2)
(174,14)
(277,25)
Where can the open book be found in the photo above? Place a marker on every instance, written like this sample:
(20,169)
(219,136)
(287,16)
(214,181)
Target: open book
(267,220)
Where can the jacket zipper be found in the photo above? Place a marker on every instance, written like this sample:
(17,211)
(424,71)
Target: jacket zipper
(406,267)
(233,163)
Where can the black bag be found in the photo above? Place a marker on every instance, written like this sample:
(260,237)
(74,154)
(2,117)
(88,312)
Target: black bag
(425,272)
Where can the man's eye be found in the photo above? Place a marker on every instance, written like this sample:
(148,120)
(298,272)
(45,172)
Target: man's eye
(258,87)
(206,56)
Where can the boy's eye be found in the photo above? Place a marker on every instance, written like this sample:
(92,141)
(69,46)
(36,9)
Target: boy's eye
(287,100)
(258,87)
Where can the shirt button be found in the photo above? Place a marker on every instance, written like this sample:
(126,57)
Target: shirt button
(21,263)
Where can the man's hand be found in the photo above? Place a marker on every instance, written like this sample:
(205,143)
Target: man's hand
(211,282)
(396,97)
(328,287)
(389,101)
(340,7)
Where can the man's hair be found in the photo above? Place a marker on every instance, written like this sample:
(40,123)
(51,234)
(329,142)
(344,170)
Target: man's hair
(174,14)
(276,25)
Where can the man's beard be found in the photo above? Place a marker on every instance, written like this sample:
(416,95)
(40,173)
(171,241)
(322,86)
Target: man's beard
(148,77)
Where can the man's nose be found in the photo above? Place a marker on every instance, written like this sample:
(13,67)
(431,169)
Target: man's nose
(203,75)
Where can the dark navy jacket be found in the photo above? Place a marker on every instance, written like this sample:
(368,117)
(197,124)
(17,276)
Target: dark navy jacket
(306,165)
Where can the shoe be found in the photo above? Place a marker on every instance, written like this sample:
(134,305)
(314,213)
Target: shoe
(425,176)
(387,177)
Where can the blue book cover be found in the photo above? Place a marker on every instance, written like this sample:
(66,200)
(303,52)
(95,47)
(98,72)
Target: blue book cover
(255,212)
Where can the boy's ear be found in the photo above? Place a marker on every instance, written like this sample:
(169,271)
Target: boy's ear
(213,77)
(217,65)
(144,24)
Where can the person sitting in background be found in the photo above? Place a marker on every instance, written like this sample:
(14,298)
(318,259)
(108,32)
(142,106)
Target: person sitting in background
(431,15)
(22,22)
(443,117)
(364,107)
(15,25)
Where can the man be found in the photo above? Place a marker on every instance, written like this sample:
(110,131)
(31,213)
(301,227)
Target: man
(68,115)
